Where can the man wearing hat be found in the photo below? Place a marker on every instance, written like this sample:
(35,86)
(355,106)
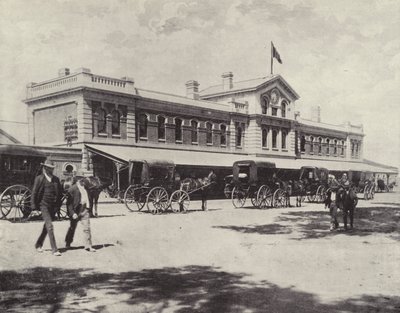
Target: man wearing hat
(46,196)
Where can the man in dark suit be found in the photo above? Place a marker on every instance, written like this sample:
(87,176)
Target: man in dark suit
(77,205)
(46,195)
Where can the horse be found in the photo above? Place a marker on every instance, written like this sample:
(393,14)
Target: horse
(203,184)
(94,186)
(346,200)
(296,188)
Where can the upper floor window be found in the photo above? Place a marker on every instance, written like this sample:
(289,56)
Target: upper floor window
(102,121)
(312,144)
(178,129)
(274,139)
(356,150)
(342,150)
(116,122)
(143,125)
(284,135)
(303,144)
(274,112)
(319,145)
(264,105)
(327,146)
(264,138)
(209,132)
(352,149)
(283,109)
(161,127)
(239,134)
(194,126)
(335,146)
(223,135)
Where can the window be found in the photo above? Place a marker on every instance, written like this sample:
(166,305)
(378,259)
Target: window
(342,151)
(312,144)
(352,149)
(209,132)
(302,144)
(239,134)
(223,135)
(264,105)
(193,125)
(319,145)
(327,146)
(274,112)
(283,109)
(143,126)
(274,139)
(178,129)
(335,147)
(356,150)
(116,122)
(284,135)
(102,121)
(161,127)
(264,138)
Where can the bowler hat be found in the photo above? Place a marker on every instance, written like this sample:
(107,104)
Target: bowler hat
(49,164)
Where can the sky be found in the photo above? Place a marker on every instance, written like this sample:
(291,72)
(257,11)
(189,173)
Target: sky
(341,55)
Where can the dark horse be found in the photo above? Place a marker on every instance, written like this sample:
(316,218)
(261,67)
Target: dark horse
(199,184)
(94,185)
(346,200)
(295,188)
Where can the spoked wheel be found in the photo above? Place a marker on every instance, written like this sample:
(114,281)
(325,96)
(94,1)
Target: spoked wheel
(366,192)
(135,198)
(278,199)
(15,202)
(372,192)
(311,197)
(179,201)
(320,195)
(62,213)
(264,197)
(238,197)
(157,200)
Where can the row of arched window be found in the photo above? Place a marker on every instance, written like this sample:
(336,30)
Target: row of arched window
(333,146)
(274,138)
(355,149)
(194,129)
(265,104)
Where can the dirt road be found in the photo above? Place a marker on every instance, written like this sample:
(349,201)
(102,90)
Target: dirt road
(221,260)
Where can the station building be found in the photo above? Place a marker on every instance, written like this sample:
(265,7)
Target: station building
(106,121)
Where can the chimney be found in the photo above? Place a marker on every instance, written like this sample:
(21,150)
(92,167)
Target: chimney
(227,80)
(63,72)
(192,89)
(316,114)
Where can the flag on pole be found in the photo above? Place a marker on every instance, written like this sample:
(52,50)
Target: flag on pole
(275,53)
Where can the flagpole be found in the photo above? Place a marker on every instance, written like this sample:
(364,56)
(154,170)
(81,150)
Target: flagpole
(272,62)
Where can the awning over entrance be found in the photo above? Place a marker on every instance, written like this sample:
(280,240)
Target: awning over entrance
(123,154)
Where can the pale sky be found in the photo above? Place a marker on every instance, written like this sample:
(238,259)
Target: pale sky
(341,55)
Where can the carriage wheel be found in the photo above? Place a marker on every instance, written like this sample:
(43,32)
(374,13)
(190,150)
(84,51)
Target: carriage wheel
(179,201)
(320,196)
(135,198)
(16,202)
(264,197)
(366,192)
(372,191)
(238,197)
(278,199)
(311,197)
(157,200)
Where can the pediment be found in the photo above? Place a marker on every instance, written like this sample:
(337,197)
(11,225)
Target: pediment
(277,89)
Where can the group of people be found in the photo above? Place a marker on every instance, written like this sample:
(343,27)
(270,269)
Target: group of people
(47,195)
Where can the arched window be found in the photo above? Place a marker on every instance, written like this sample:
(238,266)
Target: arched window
(209,132)
(356,150)
(161,127)
(352,149)
(116,122)
(264,138)
(239,134)
(284,135)
(178,129)
(143,125)
(223,135)
(328,141)
(283,108)
(335,147)
(102,121)
(264,105)
(342,150)
(319,145)
(194,126)
(302,144)
(312,144)
(274,139)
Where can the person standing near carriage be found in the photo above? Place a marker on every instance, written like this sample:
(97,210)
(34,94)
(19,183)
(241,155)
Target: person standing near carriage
(46,196)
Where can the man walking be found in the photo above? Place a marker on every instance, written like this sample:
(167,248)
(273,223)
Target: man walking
(46,195)
(77,204)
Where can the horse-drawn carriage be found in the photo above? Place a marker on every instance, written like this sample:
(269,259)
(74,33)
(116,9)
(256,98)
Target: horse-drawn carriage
(256,180)
(316,182)
(19,166)
(363,182)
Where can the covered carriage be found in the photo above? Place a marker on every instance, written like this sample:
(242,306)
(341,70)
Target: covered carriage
(19,166)
(316,182)
(256,180)
(363,182)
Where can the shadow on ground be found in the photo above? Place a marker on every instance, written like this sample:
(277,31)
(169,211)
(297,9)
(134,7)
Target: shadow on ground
(268,229)
(188,289)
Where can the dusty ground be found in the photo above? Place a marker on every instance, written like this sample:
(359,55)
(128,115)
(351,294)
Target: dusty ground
(222,260)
